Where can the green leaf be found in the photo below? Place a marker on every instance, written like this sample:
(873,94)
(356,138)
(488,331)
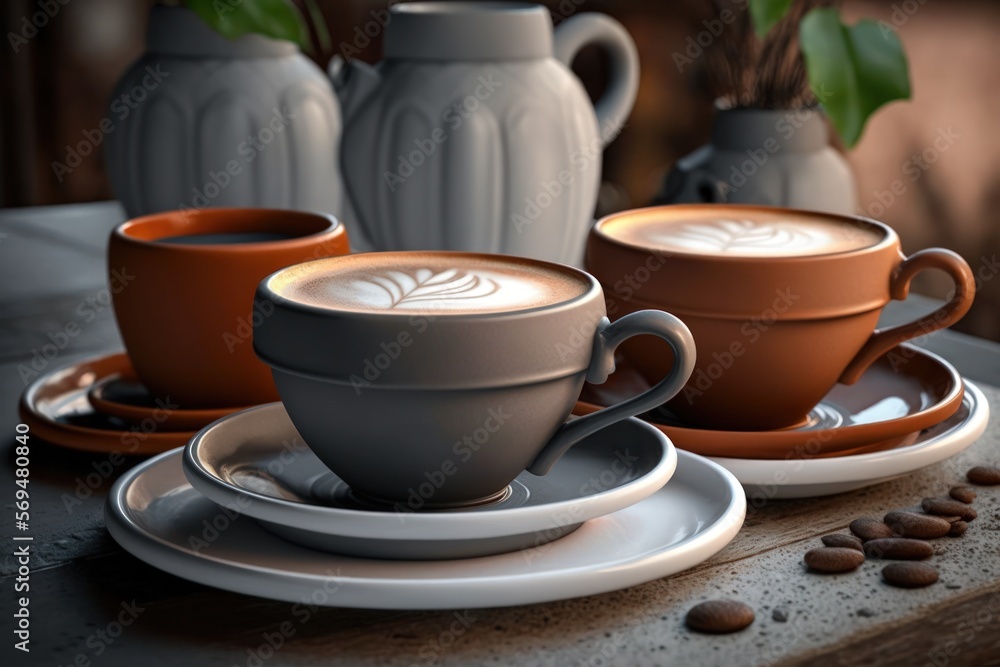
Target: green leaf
(279,19)
(766,13)
(853,70)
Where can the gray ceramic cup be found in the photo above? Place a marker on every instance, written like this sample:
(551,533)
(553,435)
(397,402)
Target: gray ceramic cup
(441,408)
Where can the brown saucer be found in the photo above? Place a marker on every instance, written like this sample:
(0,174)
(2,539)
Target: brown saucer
(122,395)
(55,407)
(904,392)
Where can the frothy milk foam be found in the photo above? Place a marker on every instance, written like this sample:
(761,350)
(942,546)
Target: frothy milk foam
(743,235)
(428,283)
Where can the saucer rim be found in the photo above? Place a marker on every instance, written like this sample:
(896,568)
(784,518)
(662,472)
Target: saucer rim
(439,525)
(133,413)
(407,593)
(703,440)
(85,438)
(874,466)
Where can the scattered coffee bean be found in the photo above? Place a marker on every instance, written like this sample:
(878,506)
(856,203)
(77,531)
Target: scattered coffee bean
(984,475)
(719,616)
(780,615)
(964,493)
(911,524)
(898,548)
(958,529)
(909,575)
(946,507)
(841,540)
(868,528)
(866,612)
(833,559)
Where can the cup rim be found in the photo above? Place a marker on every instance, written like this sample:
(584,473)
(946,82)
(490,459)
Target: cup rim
(889,236)
(311,226)
(593,288)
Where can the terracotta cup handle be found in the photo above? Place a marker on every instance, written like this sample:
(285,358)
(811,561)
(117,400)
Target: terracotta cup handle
(884,340)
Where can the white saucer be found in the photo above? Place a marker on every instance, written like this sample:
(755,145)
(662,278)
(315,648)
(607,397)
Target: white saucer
(157,516)
(809,478)
(255,462)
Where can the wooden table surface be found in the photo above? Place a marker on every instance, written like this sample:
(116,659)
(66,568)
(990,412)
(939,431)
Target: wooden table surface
(83,584)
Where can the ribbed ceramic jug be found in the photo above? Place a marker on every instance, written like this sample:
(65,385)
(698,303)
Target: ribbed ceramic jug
(473,134)
(203,121)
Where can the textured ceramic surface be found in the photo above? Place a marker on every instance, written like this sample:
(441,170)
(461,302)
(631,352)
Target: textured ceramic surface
(473,133)
(767,157)
(808,478)
(256,463)
(774,333)
(186,311)
(202,121)
(124,397)
(907,391)
(152,512)
(476,397)
(56,408)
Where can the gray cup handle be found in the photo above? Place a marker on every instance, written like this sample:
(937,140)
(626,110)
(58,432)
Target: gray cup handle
(603,31)
(606,339)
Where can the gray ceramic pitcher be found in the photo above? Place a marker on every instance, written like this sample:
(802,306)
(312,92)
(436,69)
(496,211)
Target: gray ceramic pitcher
(473,134)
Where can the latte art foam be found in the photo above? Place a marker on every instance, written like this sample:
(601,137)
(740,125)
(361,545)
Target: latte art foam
(767,236)
(425,283)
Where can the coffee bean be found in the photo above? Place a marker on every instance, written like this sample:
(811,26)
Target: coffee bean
(841,540)
(911,524)
(909,575)
(719,616)
(868,528)
(833,559)
(984,475)
(780,615)
(958,529)
(898,548)
(964,493)
(945,507)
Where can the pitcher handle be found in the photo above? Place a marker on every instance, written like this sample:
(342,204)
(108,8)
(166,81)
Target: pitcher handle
(615,104)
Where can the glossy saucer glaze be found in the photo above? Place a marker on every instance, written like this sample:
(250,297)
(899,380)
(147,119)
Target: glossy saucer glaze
(255,463)
(57,409)
(902,393)
(153,512)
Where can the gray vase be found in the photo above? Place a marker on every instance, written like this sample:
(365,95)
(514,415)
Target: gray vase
(202,121)
(474,134)
(766,157)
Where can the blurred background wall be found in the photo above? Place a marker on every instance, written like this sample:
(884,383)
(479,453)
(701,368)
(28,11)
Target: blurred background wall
(55,87)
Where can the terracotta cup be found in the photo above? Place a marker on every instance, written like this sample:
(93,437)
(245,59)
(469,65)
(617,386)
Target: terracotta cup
(774,333)
(454,373)
(186,310)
